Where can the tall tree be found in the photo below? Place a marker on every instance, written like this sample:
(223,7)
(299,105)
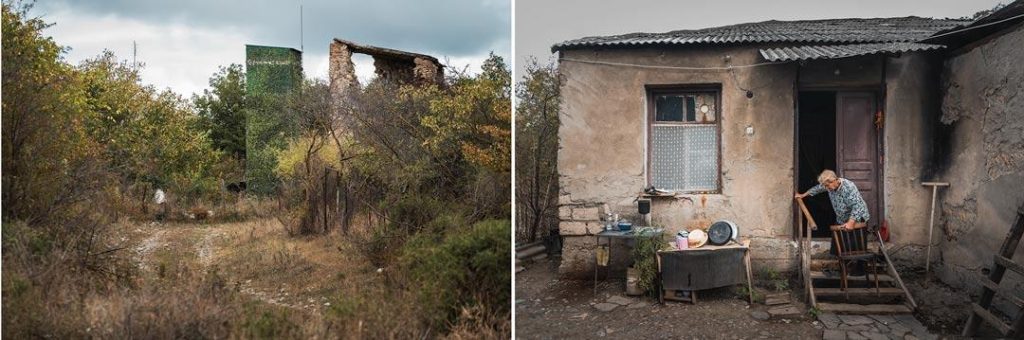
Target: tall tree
(44,147)
(537,108)
(222,110)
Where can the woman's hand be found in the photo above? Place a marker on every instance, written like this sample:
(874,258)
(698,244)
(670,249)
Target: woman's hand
(799,196)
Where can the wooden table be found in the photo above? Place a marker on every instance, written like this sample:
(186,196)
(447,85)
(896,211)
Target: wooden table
(699,266)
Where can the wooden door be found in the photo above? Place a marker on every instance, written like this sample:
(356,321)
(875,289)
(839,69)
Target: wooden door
(857,143)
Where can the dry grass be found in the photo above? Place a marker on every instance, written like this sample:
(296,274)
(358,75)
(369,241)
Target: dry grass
(225,280)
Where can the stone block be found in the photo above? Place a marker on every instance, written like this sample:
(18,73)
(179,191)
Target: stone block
(564,199)
(565,212)
(579,228)
(586,214)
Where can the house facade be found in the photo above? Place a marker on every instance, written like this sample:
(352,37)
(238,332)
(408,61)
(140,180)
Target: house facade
(729,122)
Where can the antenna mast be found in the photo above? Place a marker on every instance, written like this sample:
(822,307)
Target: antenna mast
(302,46)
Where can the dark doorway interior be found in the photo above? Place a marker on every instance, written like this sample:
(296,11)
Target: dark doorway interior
(816,141)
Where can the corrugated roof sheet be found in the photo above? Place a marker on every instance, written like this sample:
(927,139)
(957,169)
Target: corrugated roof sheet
(792,53)
(829,31)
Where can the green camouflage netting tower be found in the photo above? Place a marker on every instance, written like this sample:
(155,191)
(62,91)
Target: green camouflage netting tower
(271,73)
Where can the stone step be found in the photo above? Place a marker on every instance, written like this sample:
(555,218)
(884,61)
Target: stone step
(849,308)
(884,291)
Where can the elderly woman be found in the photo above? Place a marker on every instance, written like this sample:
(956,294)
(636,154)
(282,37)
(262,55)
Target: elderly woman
(850,208)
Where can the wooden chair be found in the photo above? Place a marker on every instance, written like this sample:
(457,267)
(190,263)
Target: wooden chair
(852,246)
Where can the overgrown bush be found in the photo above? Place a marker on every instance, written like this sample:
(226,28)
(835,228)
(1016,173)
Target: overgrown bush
(463,269)
(645,260)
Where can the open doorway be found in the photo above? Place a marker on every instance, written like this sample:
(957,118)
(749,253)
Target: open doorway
(816,151)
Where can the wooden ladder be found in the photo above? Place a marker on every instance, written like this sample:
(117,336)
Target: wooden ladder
(891,278)
(990,286)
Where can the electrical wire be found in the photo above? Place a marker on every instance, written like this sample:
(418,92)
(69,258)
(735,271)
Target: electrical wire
(975,27)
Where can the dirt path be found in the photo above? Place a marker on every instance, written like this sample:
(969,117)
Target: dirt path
(177,239)
(147,246)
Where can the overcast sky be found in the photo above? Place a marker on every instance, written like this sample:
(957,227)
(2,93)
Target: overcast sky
(542,23)
(183,42)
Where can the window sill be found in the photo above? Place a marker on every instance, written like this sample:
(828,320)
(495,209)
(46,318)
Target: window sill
(676,195)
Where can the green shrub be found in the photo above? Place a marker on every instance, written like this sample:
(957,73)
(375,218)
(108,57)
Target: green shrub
(412,212)
(645,260)
(267,323)
(466,268)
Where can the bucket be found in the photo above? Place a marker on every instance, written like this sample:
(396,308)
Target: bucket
(682,242)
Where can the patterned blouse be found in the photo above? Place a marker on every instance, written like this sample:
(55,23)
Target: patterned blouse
(846,201)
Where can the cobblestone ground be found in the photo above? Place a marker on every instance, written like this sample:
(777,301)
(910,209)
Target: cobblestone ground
(874,327)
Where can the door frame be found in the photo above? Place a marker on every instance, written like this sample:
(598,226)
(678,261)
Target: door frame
(879,92)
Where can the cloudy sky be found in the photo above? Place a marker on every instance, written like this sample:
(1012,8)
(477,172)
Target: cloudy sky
(542,23)
(183,42)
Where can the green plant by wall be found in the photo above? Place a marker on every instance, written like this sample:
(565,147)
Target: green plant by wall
(645,260)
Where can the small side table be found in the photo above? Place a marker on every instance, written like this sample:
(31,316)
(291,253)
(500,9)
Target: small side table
(706,267)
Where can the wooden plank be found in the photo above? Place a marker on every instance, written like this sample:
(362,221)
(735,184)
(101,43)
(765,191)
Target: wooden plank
(527,245)
(991,319)
(1005,293)
(816,275)
(886,291)
(1009,264)
(807,214)
(891,269)
(849,308)
(530,252)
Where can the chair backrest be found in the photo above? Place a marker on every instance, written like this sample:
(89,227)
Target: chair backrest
(852,242)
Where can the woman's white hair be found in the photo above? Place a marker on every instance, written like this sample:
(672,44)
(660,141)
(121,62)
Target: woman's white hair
(826,176)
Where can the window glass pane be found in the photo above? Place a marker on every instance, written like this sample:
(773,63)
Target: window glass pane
(668,164)
(691,109)
(701,157)
(668,108)
(684,157)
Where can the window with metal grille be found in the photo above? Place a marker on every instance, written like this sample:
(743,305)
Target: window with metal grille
(684,140)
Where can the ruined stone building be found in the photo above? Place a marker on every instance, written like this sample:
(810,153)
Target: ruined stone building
(733,120)
(390,65)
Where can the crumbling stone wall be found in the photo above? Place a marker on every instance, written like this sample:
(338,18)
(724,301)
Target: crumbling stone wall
(393,70)
(389,65)
(983,120)
(427,72)
(341,69)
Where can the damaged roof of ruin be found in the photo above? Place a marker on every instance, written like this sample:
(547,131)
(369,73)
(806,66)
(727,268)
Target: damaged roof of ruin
(386,52)
(828,31)
(796,53)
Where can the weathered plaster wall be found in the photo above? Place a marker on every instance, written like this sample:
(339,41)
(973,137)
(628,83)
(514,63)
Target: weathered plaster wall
(911,108)
(983,111)
(602,144)
(602,147)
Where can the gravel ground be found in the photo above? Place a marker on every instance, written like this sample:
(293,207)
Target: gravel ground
(549,308)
